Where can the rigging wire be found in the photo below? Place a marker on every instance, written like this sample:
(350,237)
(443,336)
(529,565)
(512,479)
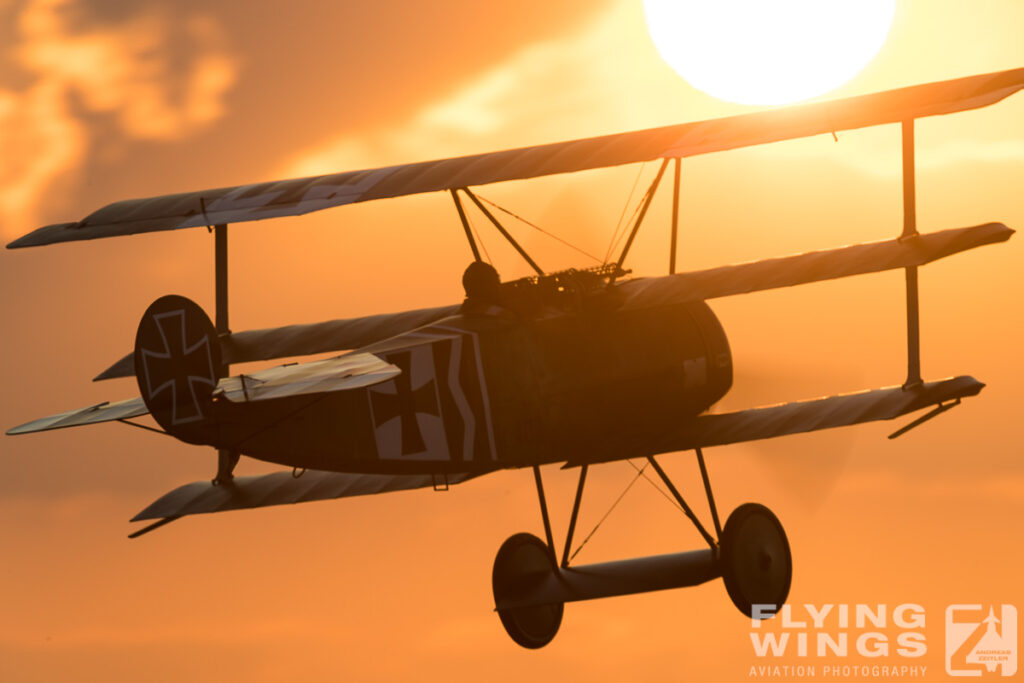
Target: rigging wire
(640,472)
(537,227)
(617,501)
(632,218)
(656,487)
(478,238)
(618,226)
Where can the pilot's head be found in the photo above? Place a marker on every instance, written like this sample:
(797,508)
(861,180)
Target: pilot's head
(481,282)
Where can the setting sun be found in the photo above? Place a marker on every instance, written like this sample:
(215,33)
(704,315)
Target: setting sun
(755,52)
(643,350)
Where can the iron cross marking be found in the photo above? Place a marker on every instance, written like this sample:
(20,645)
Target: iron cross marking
(179,367)
(405,403)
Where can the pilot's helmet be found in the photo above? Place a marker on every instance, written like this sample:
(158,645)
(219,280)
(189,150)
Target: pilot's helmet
(481,282)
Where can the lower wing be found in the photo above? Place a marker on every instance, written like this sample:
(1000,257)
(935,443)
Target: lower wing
(821,413)
(282,488)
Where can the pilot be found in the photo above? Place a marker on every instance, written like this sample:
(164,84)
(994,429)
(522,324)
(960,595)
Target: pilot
(483,287)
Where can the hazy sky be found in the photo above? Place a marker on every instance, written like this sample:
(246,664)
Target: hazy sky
(104,101)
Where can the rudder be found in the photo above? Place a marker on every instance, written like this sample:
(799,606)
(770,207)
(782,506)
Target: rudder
(177,366)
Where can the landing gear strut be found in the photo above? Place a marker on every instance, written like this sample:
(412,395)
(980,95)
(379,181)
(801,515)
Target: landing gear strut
(751,554)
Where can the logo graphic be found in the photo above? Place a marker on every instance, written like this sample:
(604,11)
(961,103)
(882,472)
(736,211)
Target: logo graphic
(437,408)
(179,367)
(981,639)
(406,408)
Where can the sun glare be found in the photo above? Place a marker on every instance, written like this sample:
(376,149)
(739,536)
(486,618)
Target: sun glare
(768,51)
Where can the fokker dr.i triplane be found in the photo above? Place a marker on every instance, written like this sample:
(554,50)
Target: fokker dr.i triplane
(578,367)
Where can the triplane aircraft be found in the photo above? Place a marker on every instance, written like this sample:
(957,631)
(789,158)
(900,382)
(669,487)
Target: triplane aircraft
(577,367)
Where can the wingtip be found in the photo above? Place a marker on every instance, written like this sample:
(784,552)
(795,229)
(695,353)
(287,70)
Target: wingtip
(124,367)
(20,429)
(152,527)
(48,234)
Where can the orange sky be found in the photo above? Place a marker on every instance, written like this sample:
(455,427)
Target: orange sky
(137,99)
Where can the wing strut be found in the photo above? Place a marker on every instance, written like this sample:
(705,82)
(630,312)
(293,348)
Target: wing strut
(675,221)
(465,225)
(910,233)
(503,231)
(226,459)
(220,239)
(640,218)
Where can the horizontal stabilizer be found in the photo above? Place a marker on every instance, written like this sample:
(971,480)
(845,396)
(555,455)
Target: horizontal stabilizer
(351,371)
(307,339)
(303,195)
(101,412)
(282,488)
(814,266)
(822,413)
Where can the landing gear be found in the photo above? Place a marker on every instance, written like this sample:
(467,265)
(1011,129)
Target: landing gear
(523,562)
(751,554)
(755,561)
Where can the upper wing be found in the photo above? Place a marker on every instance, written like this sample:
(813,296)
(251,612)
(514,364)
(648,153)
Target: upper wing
(822,413)
(303,195)
(307,339)
(810,267)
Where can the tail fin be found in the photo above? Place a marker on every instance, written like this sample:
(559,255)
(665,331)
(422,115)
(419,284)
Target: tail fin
(177,365)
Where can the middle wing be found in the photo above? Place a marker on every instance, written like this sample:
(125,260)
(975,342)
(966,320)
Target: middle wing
(309,338)
(815,266)
(341,373)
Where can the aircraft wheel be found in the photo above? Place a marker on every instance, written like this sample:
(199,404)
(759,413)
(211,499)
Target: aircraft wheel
(756,564)
(522,562)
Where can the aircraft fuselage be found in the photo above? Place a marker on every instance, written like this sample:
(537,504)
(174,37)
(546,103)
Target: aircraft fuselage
(490,390)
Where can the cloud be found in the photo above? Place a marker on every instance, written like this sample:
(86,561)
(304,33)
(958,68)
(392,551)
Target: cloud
(124,70)
(605,78)
(41,141)
(536,95)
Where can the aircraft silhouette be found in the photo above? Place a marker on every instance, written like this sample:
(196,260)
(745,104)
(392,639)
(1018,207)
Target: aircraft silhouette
(580,367)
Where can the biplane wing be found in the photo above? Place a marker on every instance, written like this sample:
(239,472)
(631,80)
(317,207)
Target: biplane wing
(303,195)
(283,488)
(101,412)
(822,413)
(307,339)
(341,373)
(786,271)
(814,266)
